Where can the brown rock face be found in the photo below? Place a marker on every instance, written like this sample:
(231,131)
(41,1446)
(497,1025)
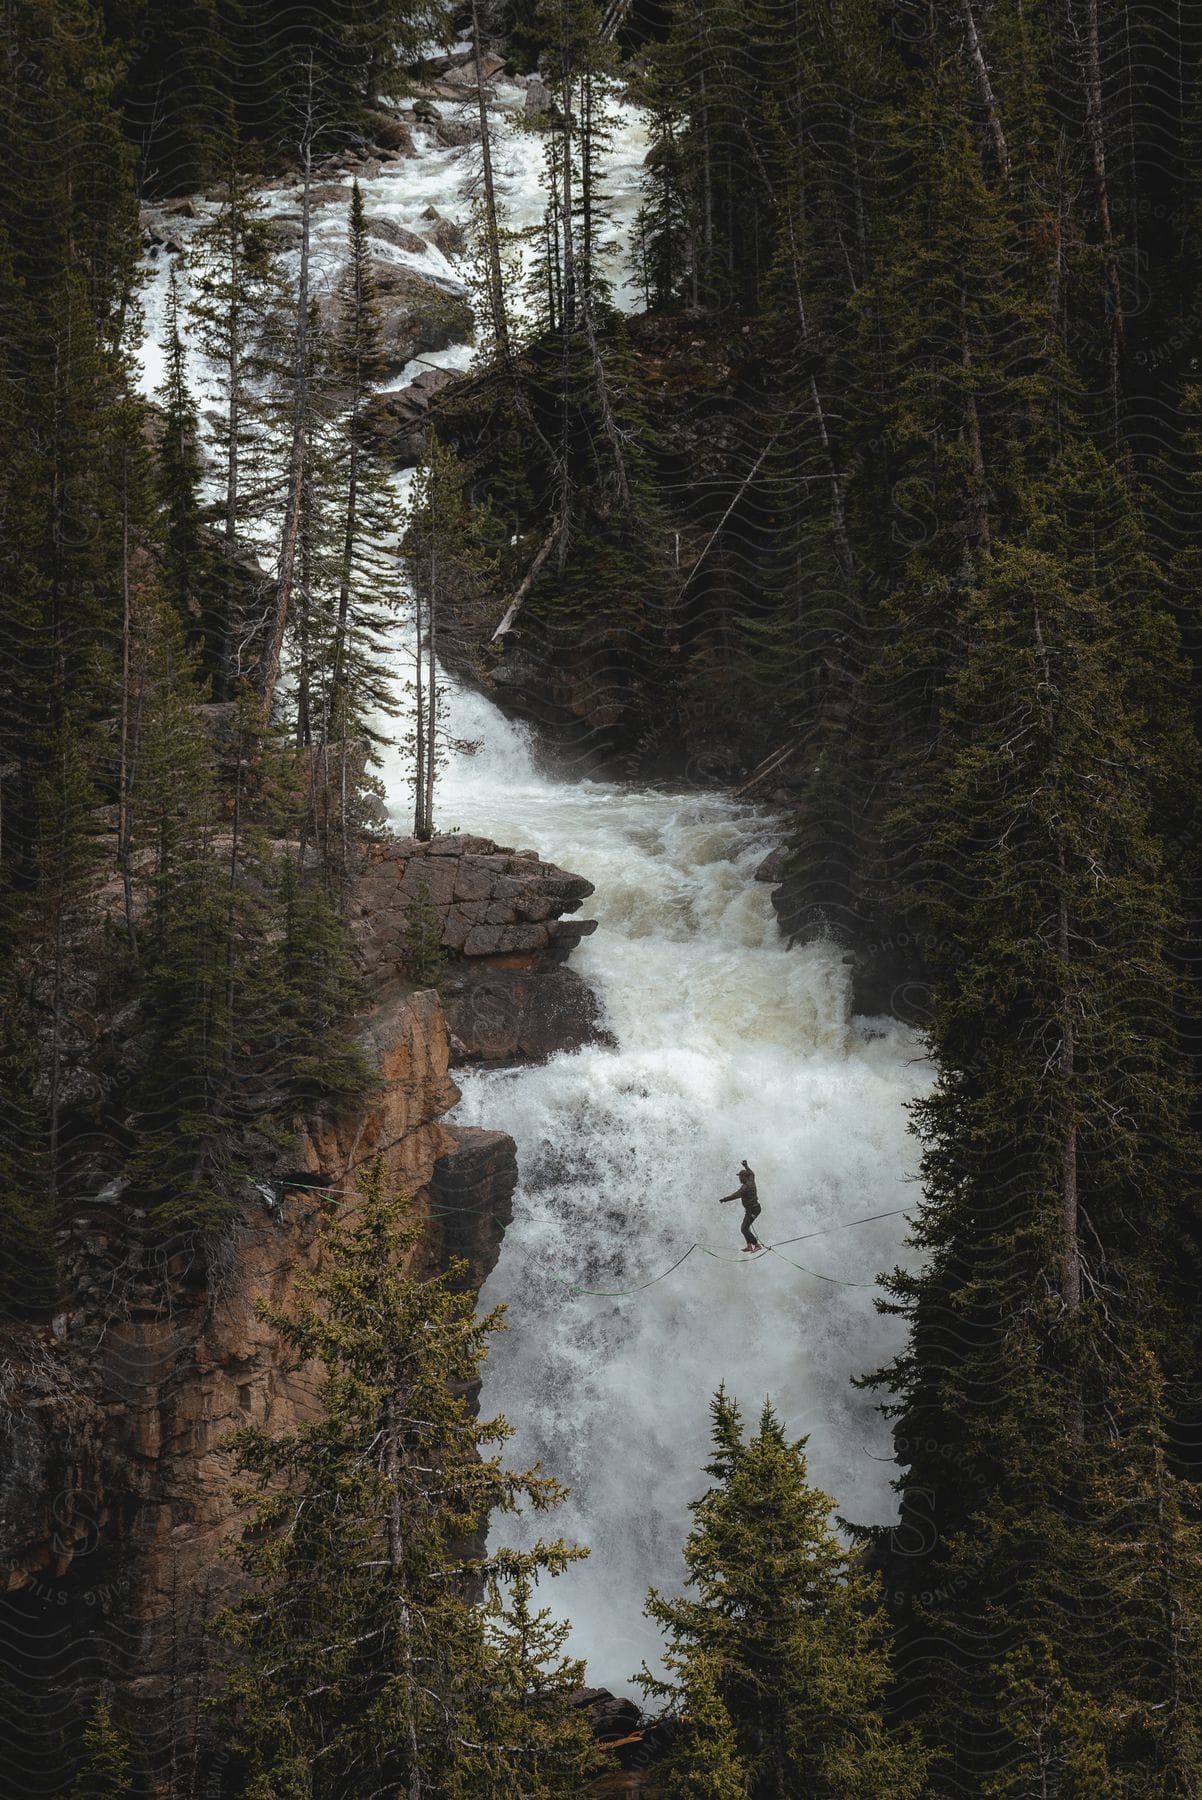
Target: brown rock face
(116,1494)
(117,1483)
(471,1197)
(500,917)
(387,231)
(450,238)
(507,1015)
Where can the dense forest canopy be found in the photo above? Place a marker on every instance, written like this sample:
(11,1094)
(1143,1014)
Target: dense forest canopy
(893,477)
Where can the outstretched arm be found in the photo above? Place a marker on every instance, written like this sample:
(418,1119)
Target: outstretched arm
(737,1195)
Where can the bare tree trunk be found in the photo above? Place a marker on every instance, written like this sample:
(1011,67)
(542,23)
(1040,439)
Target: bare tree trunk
(1096,139)
(392,1473)
(613,18)
(1071,1283)
(297,458)
(985,92)
(981,503)
(304,727)
(838,521)
(1070,1223)
(233,374)
(707,200)
(419,740)
(432,669)
(496,280)
(531,575)
(123,820)
(569,248)
(608,420)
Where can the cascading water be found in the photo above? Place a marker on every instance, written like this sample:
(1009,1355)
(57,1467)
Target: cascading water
(727,1046)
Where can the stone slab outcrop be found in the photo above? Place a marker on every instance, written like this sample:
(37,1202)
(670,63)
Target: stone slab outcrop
(501,921)
(492,902)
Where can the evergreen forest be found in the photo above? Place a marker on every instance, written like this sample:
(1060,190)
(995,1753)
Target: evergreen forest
(849,471)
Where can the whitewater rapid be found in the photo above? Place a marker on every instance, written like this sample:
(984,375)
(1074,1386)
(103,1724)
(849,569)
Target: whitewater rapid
(728,1045)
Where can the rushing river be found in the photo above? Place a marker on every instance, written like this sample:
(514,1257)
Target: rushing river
(727,1046)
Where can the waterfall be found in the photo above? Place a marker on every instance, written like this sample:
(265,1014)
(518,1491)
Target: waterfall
(727,1046)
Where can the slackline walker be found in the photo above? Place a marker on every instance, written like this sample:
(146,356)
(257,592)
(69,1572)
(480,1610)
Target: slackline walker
(896,1212)
(746,1192)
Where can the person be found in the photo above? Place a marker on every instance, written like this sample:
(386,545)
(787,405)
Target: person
(746,1192)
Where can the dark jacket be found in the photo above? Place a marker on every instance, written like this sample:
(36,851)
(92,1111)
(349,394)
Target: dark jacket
(746,1192)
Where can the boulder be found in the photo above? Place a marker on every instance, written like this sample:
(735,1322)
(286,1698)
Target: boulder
(426,113)
(493,903)
(449,237)
(329,193)
(504,1016)
(772,869)
(471,1196)
(387,231)
(455,133)
(392,134)
(417,312)
(540,102)
(470,74)
(611,1717)
(396,422)
(157,235)
(285,230)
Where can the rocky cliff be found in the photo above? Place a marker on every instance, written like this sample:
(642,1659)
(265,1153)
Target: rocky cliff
(116,1489)
(499,918)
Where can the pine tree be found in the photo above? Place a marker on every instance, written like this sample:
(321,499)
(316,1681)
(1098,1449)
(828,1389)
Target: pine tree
(783,1631)
(533,1740)
(105,1772)
(705,1763)
(364,1662)
(359,682)
(445,565)
(1054,1145)
(236,318)
(187,563)
(423,953)
(314,989)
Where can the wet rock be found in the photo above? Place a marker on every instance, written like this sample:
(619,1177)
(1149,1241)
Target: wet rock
(426,113)
(455,133)
(772,868)
(417,312)
(387,231)
(471,1196)
(157,235)
(492,902)
(503,1016)
(330,193)
(392,134)
(285,230)
(449,237)
(540,102)
(470,74)
(397,422)
(610,1716)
